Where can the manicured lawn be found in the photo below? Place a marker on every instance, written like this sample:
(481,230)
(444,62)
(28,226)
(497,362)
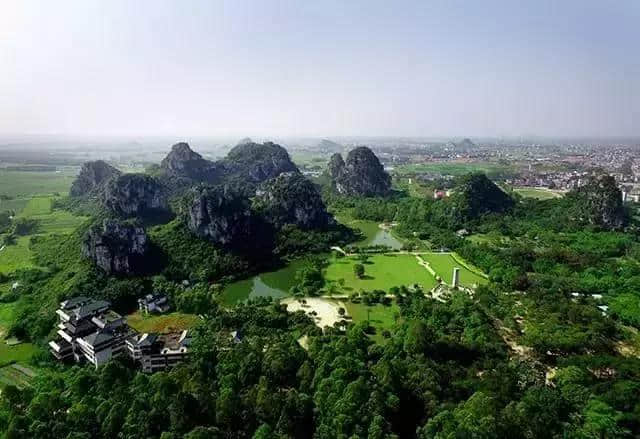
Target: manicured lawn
(382,271)
(443,263)
(172,322)
(381,317)
(539,193)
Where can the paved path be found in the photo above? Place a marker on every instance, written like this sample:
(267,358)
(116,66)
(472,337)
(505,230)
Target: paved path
(425,264)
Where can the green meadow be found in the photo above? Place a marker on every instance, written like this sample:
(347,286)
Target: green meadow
(382,272)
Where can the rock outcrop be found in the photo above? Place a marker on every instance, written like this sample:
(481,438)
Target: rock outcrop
(116,247)
(221,217)
(246,166)
(93,178)
(599,202)
(135,195)
(361,174)
(254,163)
(183,162)
(290,198)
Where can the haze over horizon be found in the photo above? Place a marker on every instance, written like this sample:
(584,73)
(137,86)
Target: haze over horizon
(280,68)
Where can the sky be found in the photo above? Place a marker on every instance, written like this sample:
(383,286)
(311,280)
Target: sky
(320,68)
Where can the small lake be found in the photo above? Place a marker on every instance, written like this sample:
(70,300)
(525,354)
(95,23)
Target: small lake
(374,235)
(274,284)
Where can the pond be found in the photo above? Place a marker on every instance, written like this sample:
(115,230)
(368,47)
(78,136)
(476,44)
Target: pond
(274,284)
(375,235)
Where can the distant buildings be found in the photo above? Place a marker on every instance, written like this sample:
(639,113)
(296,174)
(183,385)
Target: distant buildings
(89,331)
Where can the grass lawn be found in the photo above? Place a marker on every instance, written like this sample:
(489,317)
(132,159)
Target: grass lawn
(16,256)
(172,322)
(443,263)
(539,193)
(381,317)
(382,272)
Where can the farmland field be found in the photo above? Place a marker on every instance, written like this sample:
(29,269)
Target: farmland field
(16,256)
(20,353)
(16,375)
(21,184)
(382,271)
(49,220)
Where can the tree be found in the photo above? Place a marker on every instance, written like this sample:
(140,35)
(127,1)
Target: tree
(358,270)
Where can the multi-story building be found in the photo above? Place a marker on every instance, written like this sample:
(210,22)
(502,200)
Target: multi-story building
(108,339)
(156,352)
(74,322)
(88,331)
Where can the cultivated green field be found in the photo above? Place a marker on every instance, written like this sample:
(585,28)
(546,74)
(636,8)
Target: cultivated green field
(20,353)
(538,193)
(49,220)
(382,271)
(22,184)
(16,375)
(163,323)
(16,256)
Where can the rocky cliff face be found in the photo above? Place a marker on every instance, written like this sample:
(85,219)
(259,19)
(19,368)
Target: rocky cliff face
(292,199)
(361,174)
(219,216)
(116,247)
(93,178)
(599,202)
(134,195)
(183,162)
(255,162)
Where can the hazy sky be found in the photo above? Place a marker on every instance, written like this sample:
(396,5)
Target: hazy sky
(320,68)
